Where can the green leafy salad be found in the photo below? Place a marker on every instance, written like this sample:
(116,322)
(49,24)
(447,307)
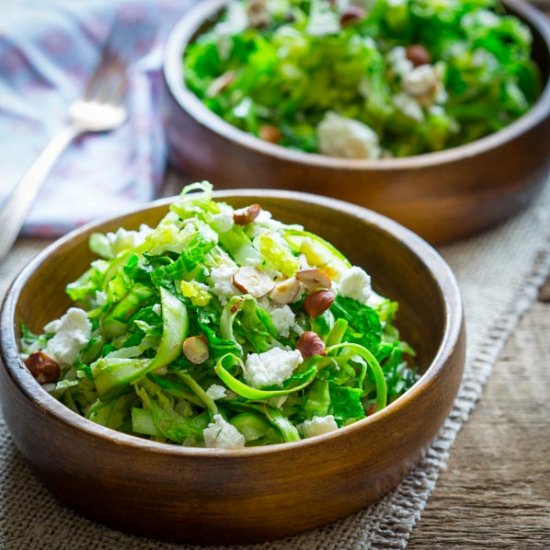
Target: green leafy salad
(366,79)
(221,328)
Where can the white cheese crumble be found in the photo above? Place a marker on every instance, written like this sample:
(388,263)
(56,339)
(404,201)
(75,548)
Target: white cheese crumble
(355,283)
(409,107)
(220,434)
(283,318)
(271,368)
(221,281)
(223,222)
(215,391)
(71,333)
(347,138)
(318,425)
(398,61)
(421,81)
(100,298)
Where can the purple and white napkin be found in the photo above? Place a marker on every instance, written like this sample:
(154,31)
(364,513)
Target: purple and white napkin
(48,50)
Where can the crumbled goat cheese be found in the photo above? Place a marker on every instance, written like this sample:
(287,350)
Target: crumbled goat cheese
(272,367)
(220,434)
(221,280)
(215,391)
(421,81)
(409,107)
(398,61)
(347,138)
(318,425)
(283,318)
(71,333)
(375,300)
(223,222)
(100,298)
(355,283)
(481,18)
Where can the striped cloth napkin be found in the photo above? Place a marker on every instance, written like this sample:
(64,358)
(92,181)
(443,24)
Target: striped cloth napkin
(48,50)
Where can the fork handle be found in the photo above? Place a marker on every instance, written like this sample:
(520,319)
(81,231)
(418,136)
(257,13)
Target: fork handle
(16,207)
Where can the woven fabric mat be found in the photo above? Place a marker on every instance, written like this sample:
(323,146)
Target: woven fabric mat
(499,273)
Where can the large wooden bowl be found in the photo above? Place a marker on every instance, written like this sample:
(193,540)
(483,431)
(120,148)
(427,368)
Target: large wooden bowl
(210,495)
(442,196)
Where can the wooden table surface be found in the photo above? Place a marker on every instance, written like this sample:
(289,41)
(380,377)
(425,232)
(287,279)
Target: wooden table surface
(495,492)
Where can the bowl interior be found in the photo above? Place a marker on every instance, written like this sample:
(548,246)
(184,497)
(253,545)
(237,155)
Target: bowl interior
(366,238)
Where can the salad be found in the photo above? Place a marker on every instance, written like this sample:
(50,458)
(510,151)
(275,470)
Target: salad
(365,79)
(221,328)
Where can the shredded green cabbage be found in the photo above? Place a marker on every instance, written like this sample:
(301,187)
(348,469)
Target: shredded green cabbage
(194,338)
(306,75)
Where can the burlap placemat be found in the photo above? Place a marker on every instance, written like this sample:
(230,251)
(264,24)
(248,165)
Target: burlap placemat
(498,272)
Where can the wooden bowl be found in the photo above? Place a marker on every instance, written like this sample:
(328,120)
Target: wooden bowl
(442,196)
(219,496)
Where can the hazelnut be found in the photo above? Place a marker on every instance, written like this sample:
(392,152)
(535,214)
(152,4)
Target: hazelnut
(251,280)
(318,302)
(270,133)
(418,55)
(43,367)
(371,409)
(258,14)
(195,349)
(351,15)
(220,84)
(286,292)
(310,344)
(314,279)
(244,216)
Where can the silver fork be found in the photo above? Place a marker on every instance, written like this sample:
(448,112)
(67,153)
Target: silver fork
(101,108)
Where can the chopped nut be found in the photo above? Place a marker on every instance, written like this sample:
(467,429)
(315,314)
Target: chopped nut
(244,216)
(310,344)
(314,279)
(270,133)
(371,409)
(251,280)
(220,84)
(418,55)
(195,349)
(351,15)
(286,292)
(318,302)
(258,14)
(42,367)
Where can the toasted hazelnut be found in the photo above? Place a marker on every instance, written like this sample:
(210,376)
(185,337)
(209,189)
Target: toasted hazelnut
(43,367)
(270,133)
(251,280)
(310,344)
(418,55)
(258,14)
(195,349)
(314,279)
(286,292)
(220,84)
(371,409)
(351,15)
(244,216)
(318,302)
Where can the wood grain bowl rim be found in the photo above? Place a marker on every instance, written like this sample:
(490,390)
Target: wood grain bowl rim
(423,252)
(191,22)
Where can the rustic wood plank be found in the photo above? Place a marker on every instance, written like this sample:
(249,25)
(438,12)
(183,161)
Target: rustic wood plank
(496,490)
